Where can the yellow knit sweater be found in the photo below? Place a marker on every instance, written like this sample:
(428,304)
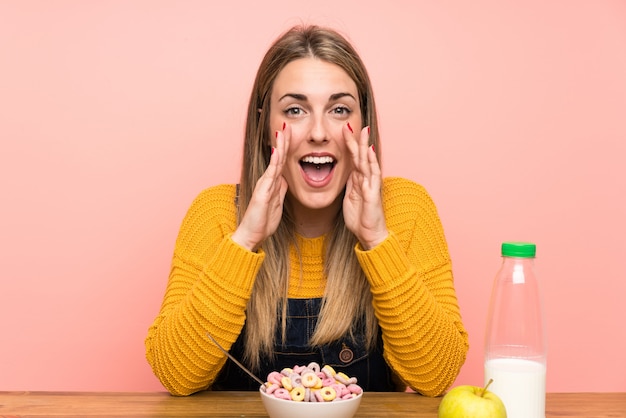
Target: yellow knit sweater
(211,279)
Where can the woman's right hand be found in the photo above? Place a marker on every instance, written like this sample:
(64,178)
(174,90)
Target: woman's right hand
(266,204)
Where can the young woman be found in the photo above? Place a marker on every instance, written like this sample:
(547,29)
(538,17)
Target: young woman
(313,256)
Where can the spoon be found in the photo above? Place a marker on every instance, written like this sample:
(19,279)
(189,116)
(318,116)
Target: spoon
(241,366)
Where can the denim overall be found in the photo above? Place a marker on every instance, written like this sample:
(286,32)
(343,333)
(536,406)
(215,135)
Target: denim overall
(347,355)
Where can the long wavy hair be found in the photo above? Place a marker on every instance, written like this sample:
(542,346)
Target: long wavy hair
(346,303)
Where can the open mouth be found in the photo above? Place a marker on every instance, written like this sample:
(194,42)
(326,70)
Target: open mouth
(317,168)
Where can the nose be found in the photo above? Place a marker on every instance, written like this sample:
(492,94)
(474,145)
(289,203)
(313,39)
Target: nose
(319,130)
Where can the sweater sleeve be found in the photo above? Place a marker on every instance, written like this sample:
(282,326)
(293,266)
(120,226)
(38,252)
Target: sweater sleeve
(410,275)
(210,282)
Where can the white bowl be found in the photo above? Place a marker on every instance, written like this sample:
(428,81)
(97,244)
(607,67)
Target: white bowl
(281,408)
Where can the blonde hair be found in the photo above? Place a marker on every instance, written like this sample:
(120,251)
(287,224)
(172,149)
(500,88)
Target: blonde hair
(347,299)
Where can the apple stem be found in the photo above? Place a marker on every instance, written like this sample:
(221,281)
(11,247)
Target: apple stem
(485,388)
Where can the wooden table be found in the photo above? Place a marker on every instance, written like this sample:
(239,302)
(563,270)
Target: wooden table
(248,405)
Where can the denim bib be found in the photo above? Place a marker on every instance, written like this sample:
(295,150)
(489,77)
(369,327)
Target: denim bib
(348,355)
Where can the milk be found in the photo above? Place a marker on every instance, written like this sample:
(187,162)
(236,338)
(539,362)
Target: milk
(521,384)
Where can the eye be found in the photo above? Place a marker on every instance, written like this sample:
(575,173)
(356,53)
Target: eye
(293,111)
(341,110)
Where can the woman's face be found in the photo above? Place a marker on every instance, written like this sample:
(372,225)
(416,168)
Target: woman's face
(316,100)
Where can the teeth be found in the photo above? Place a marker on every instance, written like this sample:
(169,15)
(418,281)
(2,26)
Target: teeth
(317,160)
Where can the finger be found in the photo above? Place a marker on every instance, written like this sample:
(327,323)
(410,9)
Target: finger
(278,156)
(364,152)
(285,134)
(352,143)
(375,178)
(372,159)
(283,190)
(359,149)
(272,167)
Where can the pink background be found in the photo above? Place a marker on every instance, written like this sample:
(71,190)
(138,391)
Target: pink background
(115,114)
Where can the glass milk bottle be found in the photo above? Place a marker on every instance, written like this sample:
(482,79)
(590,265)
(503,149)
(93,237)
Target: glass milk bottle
(515,344)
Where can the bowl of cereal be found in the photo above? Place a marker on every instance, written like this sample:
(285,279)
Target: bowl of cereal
(310,392)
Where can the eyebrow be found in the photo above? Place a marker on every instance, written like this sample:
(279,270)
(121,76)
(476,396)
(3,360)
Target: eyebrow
(302,97)
(338,96)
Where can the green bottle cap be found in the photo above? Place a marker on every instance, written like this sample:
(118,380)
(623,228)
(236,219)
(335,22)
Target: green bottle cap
(519,249)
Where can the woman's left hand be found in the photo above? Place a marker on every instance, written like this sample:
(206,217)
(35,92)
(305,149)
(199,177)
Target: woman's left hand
(362,205)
